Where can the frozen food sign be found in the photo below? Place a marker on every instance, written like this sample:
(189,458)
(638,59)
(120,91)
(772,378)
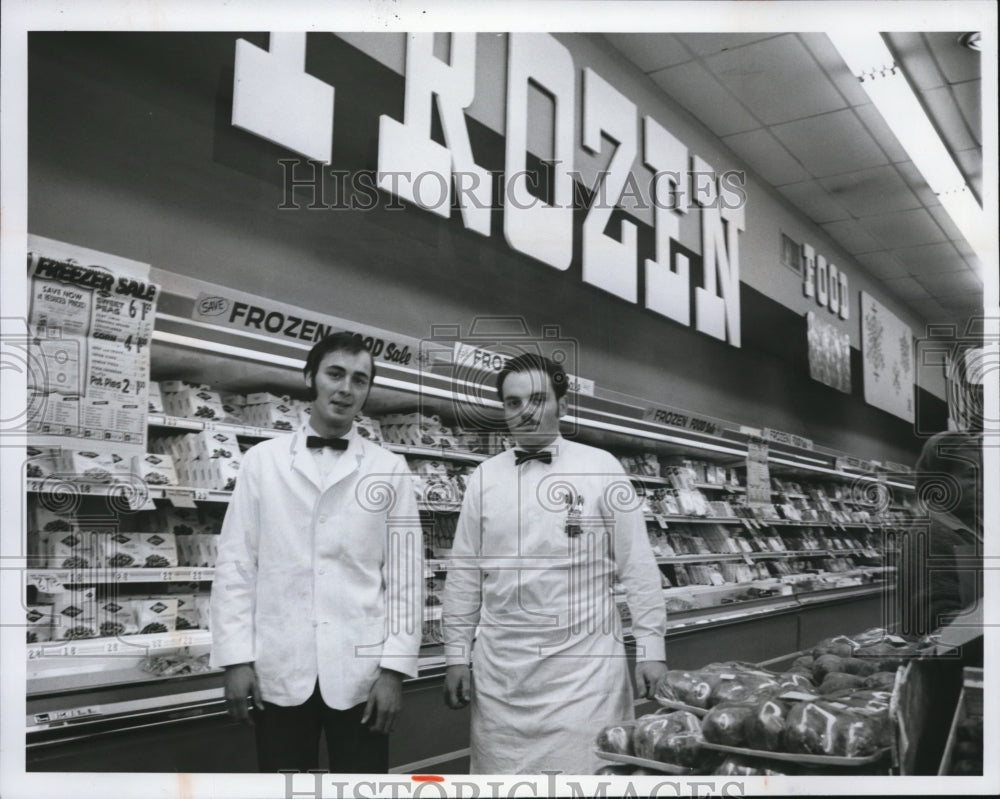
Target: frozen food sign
(276,99)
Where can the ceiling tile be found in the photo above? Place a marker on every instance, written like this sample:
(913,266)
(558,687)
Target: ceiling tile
(931,310)
(704,44)
(917,184)
(762,153)
(693,87)
(969,98)
(650,51)
(973,262)
(852,237)
(882,264)
(930,259)
(945,113)
(906,288)
(871,191)
(904,228)
(964,248)
(913,55)
(943,219)
(950,284)
(971,164)
(814,201)
(830,143)
(880,131)
(956,61)
(967,306)
(828,57)
(778,79)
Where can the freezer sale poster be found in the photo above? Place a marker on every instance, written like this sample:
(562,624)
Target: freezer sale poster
(90,324)
(887,352)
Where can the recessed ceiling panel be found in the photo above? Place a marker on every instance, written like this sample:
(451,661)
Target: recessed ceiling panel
(950,284)
(778,79)
(917,184)
(871,191)
(693,87)
(965,304)
(814,201)
(704,44)
(930,259)
(971,164)
(877,127)
(944,220)
(882,264)
(957,62)
(852,237)
(969,98)
(932,312)
(650,51)
(913,55)
(830,144)
(828,57)
(904,228)
(767,157)
(906,288)
(948,118)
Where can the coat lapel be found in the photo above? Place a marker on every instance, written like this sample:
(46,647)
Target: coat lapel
(346,463)
(304,462)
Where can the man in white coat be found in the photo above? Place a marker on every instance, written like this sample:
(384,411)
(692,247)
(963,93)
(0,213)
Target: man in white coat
(317,601)
(544,532)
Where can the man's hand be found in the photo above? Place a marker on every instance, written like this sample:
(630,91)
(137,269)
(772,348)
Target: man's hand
(385,700)
(648,674)
(457,686)
(240,681)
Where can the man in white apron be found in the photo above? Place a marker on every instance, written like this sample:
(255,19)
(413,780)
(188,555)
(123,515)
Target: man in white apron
(545,530)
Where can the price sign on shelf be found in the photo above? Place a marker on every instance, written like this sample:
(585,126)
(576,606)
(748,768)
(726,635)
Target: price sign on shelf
(143,500)
(47,582)
(180,497)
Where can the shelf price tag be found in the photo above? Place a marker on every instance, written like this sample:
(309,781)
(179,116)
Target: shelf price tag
(141,501)
(180,497)
(661,520)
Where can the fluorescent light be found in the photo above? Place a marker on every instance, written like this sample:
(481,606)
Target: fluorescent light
(867,56)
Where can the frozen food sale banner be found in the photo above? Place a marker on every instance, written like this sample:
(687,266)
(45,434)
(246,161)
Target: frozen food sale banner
(90,324)
(887,351)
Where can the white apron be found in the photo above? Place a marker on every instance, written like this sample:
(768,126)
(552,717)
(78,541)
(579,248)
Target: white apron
(549,664)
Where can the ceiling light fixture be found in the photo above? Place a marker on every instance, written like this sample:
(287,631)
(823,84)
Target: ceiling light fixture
(868,58)
(971,40)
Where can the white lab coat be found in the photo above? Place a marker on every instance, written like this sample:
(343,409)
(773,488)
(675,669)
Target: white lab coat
(549,665)
(319,578)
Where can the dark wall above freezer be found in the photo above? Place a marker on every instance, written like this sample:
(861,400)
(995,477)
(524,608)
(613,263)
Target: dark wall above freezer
(154,169)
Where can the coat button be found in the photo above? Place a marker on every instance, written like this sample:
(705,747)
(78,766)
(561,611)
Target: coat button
(322,571)
(322,519)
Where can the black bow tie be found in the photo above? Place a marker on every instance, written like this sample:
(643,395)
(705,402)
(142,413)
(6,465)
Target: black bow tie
(318,442)
(520,456)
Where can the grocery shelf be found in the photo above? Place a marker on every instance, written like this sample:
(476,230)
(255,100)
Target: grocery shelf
(657,517)
(125,644)
(731,556)
(182,496)
(245,431)
(53,579)
(653,480)
(135,495)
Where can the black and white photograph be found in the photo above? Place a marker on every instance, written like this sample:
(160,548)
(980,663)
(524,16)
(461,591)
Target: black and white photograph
(499,399)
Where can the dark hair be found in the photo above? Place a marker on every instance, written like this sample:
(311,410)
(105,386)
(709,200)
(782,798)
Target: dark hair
(533,362)
(335,342)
